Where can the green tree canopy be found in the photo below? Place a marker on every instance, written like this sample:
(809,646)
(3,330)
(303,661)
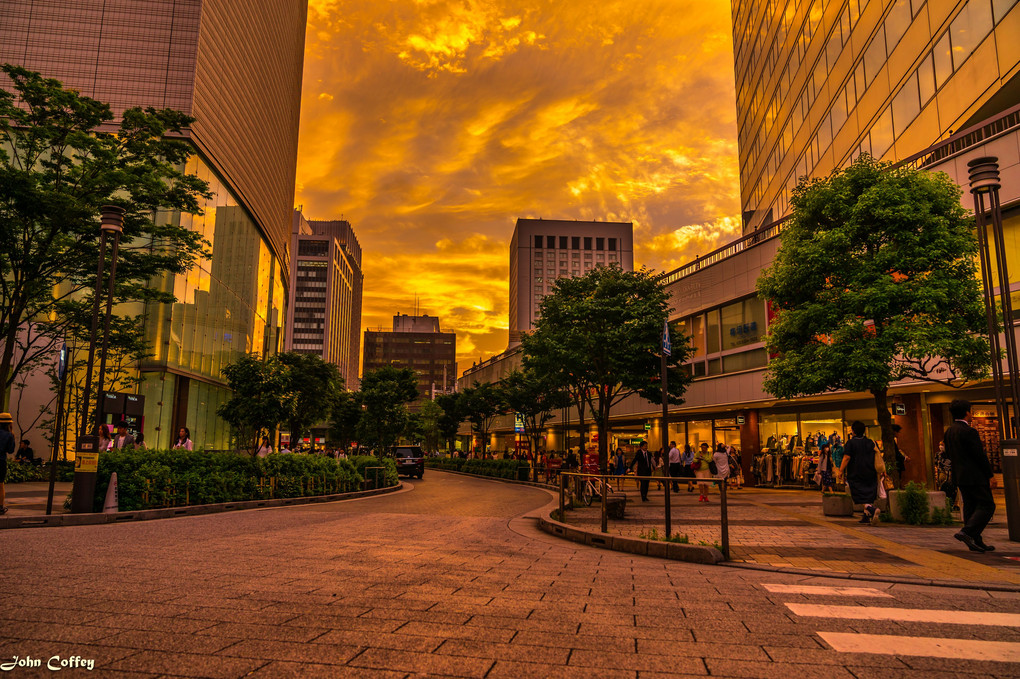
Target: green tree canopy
(385,393)
(452,416)
(875,282)
(429,416)
(344,418)
(59,163)
(263,398)
(601,335)
(534,397)
(481,404)
(316,386)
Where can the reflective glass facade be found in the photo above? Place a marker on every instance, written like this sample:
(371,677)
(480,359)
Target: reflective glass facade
(819,81)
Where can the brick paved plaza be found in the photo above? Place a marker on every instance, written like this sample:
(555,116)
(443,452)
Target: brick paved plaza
(450,577)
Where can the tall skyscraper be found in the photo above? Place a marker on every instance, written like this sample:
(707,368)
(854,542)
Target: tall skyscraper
(325,294)
(418,343)
(235,65)
(543,250)
(819,82)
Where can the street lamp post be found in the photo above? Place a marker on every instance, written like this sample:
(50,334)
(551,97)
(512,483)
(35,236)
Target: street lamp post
(87,449)
(984,185)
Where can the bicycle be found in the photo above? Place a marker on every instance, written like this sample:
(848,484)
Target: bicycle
(594,487)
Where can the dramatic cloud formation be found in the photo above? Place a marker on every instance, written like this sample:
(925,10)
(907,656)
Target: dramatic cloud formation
(432,125)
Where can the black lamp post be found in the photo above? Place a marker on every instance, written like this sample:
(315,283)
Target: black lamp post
(984,185)
(87,450)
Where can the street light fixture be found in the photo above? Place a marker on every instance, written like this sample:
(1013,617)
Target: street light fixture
(87,452)
(984,185)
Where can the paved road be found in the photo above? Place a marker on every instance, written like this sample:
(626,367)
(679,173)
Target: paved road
(444,580)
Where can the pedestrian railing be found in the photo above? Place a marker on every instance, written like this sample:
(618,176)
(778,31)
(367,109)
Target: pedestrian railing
(587,486)
(375,475)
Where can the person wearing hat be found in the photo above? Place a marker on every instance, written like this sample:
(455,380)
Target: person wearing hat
(122,439)
(6,448)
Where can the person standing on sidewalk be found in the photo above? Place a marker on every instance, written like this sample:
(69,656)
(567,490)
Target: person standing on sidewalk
(675,468)
(971,473)
(643,461)
(687,466)
(6,448)
(701,461)
(858,468)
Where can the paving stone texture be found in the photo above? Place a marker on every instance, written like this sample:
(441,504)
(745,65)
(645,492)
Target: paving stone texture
(786,528)
(447,578)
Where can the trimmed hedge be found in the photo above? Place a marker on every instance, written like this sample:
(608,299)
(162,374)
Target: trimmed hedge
(500,469)
(387,478)
(454,463)
(148,479)
(19,472)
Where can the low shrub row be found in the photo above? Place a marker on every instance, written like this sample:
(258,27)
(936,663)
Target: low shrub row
(454,463)
(19,472)
(148,479)
(387,477)
(500,469)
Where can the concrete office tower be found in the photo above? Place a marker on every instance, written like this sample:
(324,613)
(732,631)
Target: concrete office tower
(543,250)
(235,65)
(819,82)
(416,342)
(325,294)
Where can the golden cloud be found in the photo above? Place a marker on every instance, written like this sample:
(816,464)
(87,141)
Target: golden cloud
(433,124)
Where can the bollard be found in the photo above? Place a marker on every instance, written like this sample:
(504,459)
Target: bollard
(563,490)
(669,511)
(603,493)
(724,520)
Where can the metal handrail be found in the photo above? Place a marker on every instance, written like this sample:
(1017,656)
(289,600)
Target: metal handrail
(760,235)
(666,481)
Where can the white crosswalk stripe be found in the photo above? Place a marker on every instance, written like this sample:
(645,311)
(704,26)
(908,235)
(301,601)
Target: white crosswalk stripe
(826,591)
(899,645)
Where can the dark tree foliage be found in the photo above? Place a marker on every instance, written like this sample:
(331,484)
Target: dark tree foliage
(385,393)
(481,405)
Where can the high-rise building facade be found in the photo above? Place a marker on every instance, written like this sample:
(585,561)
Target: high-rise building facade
(543,250)
(821,81)
(325,294)
(235,66)
(418,343)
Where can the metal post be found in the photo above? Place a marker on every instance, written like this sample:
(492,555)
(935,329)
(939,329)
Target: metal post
(984,183)
(84,418)
(58,425)
(665,442)
(603,493)
(101,385)
(563,490)
(724,520)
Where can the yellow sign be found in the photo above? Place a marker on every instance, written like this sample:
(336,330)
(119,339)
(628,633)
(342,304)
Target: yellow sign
(86,462)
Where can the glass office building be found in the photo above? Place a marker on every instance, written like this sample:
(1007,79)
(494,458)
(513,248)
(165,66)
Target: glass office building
(236,67)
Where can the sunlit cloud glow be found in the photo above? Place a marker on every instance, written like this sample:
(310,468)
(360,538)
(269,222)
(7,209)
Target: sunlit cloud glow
(433,124)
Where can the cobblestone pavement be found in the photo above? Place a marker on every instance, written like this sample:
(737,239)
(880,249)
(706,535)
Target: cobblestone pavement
(444,580)
(786,528)
(29,498)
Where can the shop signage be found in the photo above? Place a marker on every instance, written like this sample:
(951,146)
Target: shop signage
(86,454)
(899,409)
(667,346)
(740,419)
(1009,452)
(518,423)
(729,422)
(648,426)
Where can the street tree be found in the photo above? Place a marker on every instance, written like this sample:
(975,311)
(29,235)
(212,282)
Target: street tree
(60,161)
(601,335)
(316,385)
(482,404)
(385,393)
(875,282)
(263,398)
(534,397)
(344,418)
(449,421)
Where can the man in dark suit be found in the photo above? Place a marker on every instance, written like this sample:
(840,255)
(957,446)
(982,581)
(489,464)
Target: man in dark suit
(643,461)
(971,473)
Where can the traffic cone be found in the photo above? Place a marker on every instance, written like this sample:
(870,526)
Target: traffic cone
(111,504)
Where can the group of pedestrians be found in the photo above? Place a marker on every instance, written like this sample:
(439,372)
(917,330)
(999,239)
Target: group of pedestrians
(722,463)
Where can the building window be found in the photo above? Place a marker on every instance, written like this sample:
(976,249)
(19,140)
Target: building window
(600,243)
(612,243)
(563,242)
(550,242)
(575,243)
(587,255)
(538,242)
(587,242)
(313,248)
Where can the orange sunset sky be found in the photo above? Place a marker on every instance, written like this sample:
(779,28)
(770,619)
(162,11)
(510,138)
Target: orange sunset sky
(432,125)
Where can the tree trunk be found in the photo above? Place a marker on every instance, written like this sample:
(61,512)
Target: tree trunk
(6,363)
(888,444)
(603,437)
(580,425)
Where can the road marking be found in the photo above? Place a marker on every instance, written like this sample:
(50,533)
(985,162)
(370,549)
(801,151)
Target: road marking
(827,591)
(888,644)
(906,615)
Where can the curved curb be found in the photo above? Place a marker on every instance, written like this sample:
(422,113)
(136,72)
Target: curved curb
(533,484)
(619,543)
(174,512)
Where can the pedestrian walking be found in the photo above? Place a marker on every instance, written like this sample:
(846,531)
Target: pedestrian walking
(122,439)
(722,463)
(643,461)
(858,468)
(659,464)
(702,459)
(6,448)
(971,476)
(687,466)
(183,439)
(826,479)
(675,467)
(105,440)
(899,456)
(265,449)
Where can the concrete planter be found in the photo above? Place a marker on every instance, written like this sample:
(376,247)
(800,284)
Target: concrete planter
(936,500)
(837,505)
